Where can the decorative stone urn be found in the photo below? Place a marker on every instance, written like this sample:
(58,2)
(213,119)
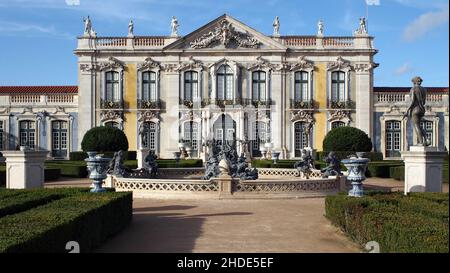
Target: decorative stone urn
(263,152)
(177,155)
(189,152)
(269,146)
(97,167)
(224,168)
(356,174)
(275,156)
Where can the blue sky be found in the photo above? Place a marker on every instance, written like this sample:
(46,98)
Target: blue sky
(37,37)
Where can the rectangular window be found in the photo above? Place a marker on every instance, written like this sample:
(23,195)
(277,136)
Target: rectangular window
(301,86)
(338,86)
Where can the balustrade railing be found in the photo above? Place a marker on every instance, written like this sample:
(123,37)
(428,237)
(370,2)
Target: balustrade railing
(403,97)
(148,41)
(109,104)
(298,104)
(348,104)
(300,41)
(110,41)
(338,41)
(55,99)
(149,104)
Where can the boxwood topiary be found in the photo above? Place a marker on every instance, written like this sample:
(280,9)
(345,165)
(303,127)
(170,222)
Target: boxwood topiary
(347,139)
(104,139)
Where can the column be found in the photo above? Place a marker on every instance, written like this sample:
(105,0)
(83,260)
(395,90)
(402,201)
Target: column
(277,112)
(169,118)
(364,99)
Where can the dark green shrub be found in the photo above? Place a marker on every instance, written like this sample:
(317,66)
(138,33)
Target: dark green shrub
(77,156)
(52,174)
(70,170)
(86,218)
(373,156)
(81,156)
(414,223)
(347,139)
(381,169)
(104,139)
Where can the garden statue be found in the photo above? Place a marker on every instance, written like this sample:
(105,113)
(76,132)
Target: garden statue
(305,164)
(116,166)
(334,166)
(150,164)
(212,167)
(276,27)
(416,110)
(174,26)
(320,28)
(242,170)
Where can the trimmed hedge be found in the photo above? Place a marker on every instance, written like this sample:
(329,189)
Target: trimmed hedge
(414,223)
(347,139)
(398,173)
(70,168)
(104,139)
(86,218)
(81,156)
(373,156)
(50,174)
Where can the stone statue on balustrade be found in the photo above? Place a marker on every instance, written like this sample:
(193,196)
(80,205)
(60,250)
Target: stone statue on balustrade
(243,171)
(88,29)
(116,166)
(306,164)
(131,29)
(276,27)
(334,166)
(416,110)
(150,164)
(320,28)
(174,25)
(362,29)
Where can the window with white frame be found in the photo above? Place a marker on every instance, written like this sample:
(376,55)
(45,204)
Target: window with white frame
(112,124)
(149,137)
(191,136)
(224,83)
(259,86)
(300,138)
(149,86)
(112,90)
(301,92)
(427,127)
(393,138)
(27,133)
(190,85)
(260,136)
(338,86)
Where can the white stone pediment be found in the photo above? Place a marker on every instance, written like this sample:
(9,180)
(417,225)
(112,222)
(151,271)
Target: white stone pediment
(222,33)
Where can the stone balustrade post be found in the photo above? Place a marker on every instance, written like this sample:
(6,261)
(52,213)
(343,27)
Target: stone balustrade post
(25,169)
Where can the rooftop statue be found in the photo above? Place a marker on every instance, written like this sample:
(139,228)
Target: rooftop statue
(416,110)
(88,30)
(362,29)
(320,28)
(174,25)
(131,29)
(276,26)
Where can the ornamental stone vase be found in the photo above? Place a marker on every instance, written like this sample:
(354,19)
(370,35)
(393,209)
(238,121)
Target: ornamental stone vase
(356,174)
(97,167)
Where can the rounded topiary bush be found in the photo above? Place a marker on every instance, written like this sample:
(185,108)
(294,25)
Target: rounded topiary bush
(104,139)
(347,139)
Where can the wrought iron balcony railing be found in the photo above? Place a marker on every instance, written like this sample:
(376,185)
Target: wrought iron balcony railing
(110,104)
(348,104)
(298,104)
(149,104)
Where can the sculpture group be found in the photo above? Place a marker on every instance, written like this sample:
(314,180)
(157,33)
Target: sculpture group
(149,170)
(237,165)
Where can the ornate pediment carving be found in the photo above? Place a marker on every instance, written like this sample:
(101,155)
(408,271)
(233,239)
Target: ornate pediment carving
(305,116)
(111,63)
(148,64)
(191,115)
(224,33)
(145,116)
(302,64)
(365,67)
(339,64)
(261,64)
(110,115)
(190,64)
(340,115)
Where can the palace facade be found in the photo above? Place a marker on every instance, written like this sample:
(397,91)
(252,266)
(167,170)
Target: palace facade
(223,81)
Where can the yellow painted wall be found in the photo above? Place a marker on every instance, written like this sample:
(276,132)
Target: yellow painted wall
(130,97)
(320,96)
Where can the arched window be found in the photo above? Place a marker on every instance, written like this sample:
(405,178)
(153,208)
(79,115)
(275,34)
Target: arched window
(338,86)
(259,86)
(112,124)
(27,133)
(337,124)
(224,83)
(190,85)
(112,86)
(393,138)
(149,86)
(149,136)
(191,136)
(427,127)
(301,86)
(260,136)
(300,138)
